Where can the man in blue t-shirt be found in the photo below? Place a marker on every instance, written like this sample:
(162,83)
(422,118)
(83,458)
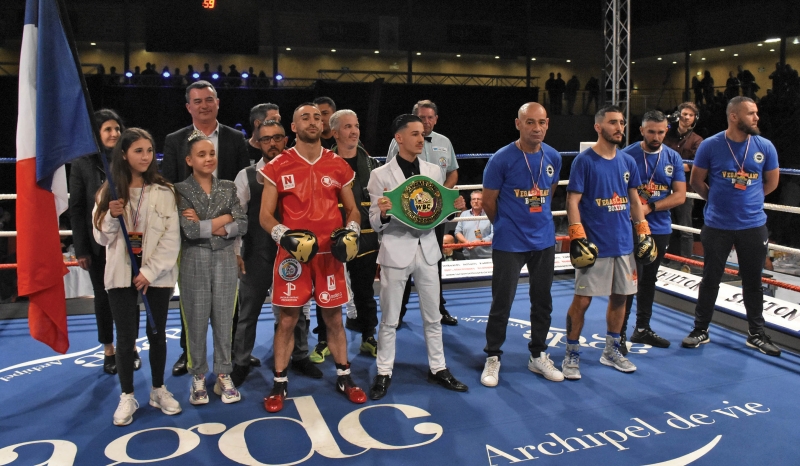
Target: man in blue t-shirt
(602,182)
(663,187)
(518,186)
(733,171)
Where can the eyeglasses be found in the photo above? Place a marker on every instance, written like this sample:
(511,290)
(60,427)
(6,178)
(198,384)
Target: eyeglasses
(277,138)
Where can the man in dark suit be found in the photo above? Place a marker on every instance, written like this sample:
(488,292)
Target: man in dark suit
(203,104)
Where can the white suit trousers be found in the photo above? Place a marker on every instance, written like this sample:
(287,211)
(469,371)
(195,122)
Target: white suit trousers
(393,282)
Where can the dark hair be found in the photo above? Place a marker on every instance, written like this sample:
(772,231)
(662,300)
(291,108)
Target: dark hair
(690,105)
(103,115)
(424,104)
(735,102)
(654,116)
(402,121)
(601,114)
(121,173)
(269,123)
(304,104)
(259,112)
(325,100)
(199,85)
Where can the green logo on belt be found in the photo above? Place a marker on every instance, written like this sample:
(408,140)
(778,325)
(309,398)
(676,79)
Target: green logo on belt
(421,202)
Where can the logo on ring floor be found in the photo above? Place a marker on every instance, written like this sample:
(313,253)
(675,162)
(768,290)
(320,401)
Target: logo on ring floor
(290,269)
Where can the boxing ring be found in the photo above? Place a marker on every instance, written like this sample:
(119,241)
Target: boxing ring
(721,403)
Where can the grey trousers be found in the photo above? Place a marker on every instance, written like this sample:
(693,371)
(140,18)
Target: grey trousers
(208,283)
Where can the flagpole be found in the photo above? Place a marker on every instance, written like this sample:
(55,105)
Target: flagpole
(64,16)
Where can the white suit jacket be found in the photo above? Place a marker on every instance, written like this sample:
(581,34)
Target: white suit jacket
(399,242)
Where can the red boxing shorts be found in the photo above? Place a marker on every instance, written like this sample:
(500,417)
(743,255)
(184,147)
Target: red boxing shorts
(294,281)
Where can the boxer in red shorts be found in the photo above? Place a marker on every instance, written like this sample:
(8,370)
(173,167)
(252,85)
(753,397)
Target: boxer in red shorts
(305,185)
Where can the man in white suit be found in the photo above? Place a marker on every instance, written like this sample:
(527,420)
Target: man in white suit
(406,251)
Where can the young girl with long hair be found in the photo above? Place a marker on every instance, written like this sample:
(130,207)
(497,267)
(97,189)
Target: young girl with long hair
(211,218)
(146,203)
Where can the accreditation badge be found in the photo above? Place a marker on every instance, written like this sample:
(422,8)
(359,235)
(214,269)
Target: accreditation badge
(741,180)
(421,202)
(137,239)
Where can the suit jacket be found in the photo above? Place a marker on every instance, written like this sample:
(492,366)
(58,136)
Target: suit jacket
(223,200)
(231,156)
(85,178)
(399,242)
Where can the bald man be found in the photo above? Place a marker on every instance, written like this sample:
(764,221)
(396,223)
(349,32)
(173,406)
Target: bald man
(518,186)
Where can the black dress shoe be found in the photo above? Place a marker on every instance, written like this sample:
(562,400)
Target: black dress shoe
(238,374)
(255,362)
(179,368)
(447,319)
(137,361)
(110,364)
(307,368)
(380,385)
(446,380)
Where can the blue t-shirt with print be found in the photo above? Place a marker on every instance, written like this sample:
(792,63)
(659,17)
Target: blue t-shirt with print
(660,170)
(604,204)
(730,208)
(516,227)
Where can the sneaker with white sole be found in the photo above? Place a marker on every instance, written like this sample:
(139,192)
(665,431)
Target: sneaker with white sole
(198,394)
(571,366)
(225,389)
(544,366)
(162,399)
(490,376)
(612,356)
(124,413)
(762,342)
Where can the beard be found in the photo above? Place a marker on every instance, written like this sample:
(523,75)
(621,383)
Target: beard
(652,146)
(610,137)
(305,137)
(747,129)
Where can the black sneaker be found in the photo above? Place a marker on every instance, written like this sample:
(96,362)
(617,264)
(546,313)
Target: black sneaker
(648,337)
(696,338)
(623,343)
(137,361)
(762,342)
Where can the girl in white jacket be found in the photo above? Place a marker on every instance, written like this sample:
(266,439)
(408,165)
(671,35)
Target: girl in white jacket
(146,203)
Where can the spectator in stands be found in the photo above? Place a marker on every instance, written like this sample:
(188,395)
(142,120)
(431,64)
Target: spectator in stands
(708,87)
(697,87)
(451,254)
(550,88)
(206,74)
(747,81)
(571,93)
(558,96)
(593,90)
(234,77)
(190,75)
(731,86)
(475,230)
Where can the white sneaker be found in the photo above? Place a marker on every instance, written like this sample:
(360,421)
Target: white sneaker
(161,398)
(544,366)
(124,413)
(490,376)
(198,395)
(226,390)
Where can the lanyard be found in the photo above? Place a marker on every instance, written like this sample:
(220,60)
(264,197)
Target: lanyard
(747,148)
(541,164)
(647,167)
(135,219)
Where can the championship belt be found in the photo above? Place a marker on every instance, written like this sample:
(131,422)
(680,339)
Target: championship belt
(421,203)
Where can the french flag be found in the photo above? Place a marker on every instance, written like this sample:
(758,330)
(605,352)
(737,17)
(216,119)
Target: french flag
(53,128)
